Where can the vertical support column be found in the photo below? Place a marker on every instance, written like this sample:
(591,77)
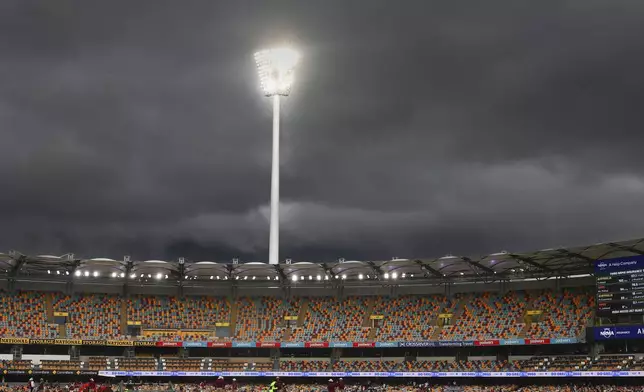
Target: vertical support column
(273,246)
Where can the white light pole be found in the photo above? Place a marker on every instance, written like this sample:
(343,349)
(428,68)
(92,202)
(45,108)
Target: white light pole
(276,75)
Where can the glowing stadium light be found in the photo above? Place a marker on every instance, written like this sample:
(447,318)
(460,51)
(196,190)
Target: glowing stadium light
(302,277)
(185,277)
(275,68)
(394,275)
(77,273)
(226,277)
(360,276)
(462,273)
(326,277)
(122,275)
(113,274)
(96,274)
(48,272)
(86,273)
(159,275)
(149,275)
(310,277)
(218,277)
(236,277)
(253,278)
(57,272)
(268,278)
(403,275)
(368,277)
(277,278)
(66,272)
(411,275)
(319,277)
(132,276)
(212,277)
(336,276)
(245,277)
(386,275)
(344,276)
(294,277)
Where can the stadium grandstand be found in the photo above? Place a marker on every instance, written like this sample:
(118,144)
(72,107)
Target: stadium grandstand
(504,315)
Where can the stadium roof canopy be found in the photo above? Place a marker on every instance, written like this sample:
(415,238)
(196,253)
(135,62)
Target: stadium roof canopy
(547,263)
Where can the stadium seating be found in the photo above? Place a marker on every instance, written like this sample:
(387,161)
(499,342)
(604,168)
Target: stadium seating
(410,318)
(304,366)
(59,365)
(262,319)
(488,316)
(22,315)
(134,364)
(328,319)
(16,364)
(566,314)
(482,316)
(165,312)
(93,316)
(374,365)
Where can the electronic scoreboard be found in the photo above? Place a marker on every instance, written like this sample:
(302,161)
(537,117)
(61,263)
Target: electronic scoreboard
(620,286)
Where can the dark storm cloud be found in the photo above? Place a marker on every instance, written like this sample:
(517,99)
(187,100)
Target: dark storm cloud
(415,129)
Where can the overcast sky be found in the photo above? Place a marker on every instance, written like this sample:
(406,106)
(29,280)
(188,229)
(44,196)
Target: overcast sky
(417,128)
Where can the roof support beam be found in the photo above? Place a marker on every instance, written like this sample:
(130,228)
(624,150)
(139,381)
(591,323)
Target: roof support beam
(429,269)
(625,247)
(478,265)
(531,262)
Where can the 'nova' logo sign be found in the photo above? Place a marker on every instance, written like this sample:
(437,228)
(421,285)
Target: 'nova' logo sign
(607,333)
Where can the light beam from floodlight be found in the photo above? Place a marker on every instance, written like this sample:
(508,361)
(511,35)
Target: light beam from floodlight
(276,76)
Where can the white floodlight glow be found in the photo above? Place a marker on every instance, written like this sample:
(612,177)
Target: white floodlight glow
(294,277)
(86,273)
(326,277)
(386,276)
(276,70)
(394,275)
(166,276)
(57,272)
(360,276)
(122,275)
(77,273)
(302,277)
(95,274)
(253,278)
(403,275)
(310,277)
(159,275)
(132,276)
(344,276)
(268,278)
(277,278)
(48,272)
(66,272)
(319,277)
(246,277)
(113,274)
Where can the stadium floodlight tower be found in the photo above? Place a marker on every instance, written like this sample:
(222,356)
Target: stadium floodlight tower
(276,75)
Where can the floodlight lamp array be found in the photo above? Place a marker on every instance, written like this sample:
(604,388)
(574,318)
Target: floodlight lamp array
(276,70)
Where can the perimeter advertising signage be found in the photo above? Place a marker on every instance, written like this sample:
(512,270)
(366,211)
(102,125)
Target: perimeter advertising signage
(619,332)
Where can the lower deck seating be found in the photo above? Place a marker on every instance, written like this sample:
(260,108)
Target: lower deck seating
(60,365)
(16,364)
(305,365)
(142,364)
(181,364)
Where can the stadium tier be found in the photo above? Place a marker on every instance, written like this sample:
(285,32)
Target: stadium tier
(610,363)
(465,317)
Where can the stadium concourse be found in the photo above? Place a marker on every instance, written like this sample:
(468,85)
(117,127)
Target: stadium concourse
(500,317)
